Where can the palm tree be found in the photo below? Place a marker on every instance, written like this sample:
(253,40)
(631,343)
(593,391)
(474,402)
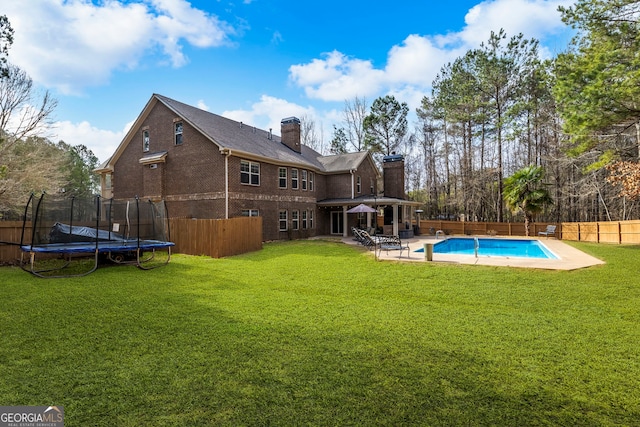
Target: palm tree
(525,192)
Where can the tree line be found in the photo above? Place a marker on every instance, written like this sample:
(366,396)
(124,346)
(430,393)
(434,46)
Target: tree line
(29,161)
(500,110)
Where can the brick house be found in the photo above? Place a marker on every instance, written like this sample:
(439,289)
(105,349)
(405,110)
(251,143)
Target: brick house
(207,166)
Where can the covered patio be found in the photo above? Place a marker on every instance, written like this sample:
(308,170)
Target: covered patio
(398,215)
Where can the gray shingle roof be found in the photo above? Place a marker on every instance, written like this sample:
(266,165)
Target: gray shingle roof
(343,162)
(227,133)
(244,140)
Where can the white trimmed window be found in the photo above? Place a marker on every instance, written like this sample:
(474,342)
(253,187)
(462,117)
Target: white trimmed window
(178,133)
(359,185)
(295,220)
(310,219)
(310,181)
(303,174)
(145,140)
(282,177)
(304,220)
(282,222)
(249,172)
(294,179)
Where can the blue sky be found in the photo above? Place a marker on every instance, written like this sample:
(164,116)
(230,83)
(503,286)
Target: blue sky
(252,60)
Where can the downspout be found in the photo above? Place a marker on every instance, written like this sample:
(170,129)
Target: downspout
(226,152)
(353,190)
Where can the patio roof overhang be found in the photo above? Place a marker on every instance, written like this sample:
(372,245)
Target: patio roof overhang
(367,200)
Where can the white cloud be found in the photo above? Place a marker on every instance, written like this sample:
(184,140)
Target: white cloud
(337,77)
(201,105)
(413,64)
(72,44)
(102,143)
(268,112)
(533,18)
(416,61)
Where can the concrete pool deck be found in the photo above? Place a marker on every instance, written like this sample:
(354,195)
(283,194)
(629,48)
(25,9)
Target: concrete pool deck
(570,258)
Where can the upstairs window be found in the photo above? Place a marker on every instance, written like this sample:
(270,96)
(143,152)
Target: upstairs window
(282,178)
(310,181)
(249,172)
(359,185)
(294,179)
(145,140)
(178,133)
(304,179)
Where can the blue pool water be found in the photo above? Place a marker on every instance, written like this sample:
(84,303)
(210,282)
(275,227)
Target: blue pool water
(493,247)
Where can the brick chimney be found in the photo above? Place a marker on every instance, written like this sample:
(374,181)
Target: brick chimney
(393,175)
(290,133)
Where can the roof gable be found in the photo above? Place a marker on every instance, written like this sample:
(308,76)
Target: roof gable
(345,162)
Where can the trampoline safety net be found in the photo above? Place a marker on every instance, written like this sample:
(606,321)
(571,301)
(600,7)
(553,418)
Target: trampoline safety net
(120,230)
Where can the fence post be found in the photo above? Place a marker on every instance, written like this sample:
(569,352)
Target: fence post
(619,232)
(579,234)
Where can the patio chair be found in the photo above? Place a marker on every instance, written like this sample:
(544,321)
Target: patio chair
(356,235)
(551,230)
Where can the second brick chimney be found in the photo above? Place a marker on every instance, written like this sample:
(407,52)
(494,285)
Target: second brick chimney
(290,133)
(393,170)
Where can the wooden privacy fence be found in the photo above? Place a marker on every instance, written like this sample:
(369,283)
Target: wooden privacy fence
(10,232)
(216,237)
(480,228)
(601,232)
(212,237)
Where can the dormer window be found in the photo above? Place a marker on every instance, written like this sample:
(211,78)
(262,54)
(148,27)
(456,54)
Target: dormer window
(145,141)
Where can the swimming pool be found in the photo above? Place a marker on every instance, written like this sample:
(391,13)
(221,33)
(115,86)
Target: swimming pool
(493,247)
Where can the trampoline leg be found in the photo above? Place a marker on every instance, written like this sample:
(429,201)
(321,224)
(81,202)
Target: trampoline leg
(38,273)
(139,263)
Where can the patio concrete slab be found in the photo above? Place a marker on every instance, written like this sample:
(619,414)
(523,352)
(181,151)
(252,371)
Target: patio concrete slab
(569,258)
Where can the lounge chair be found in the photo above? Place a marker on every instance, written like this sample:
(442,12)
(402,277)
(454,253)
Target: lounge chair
(371,242)
(551,230)
(356,235)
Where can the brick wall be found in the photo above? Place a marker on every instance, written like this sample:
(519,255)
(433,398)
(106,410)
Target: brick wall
(192,180)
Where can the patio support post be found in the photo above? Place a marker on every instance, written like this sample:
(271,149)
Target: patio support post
(344,221)
(395,220)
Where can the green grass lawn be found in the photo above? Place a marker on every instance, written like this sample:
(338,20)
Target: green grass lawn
(319,333)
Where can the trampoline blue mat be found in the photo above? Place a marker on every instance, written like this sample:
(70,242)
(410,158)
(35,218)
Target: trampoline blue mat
(103,247)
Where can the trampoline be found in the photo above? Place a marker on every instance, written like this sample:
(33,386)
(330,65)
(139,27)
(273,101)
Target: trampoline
(70,237)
